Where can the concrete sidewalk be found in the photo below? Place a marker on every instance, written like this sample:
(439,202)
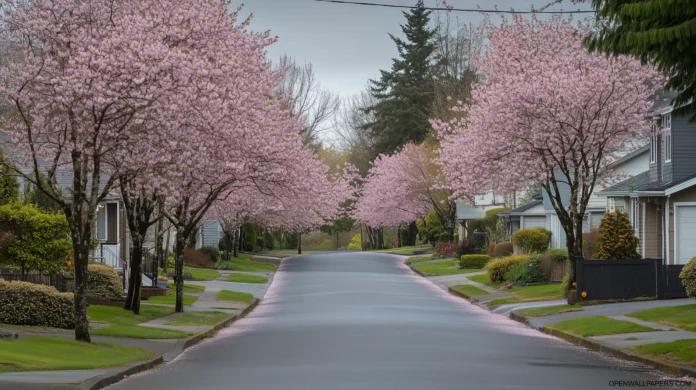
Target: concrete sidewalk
(166,349)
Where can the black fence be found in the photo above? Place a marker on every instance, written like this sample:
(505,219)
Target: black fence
(628,279)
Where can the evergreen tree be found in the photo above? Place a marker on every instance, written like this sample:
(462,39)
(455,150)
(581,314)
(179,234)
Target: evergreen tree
(661,32)
(617,239)
(33,195)
(405,93)
(9,186)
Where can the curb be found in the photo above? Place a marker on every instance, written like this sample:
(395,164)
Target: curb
(416,271)
(462,295)
(100,382)
(621,353)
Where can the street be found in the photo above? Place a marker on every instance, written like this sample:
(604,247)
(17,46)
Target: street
(365,321)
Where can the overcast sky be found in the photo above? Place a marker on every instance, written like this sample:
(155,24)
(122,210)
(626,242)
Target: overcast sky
(348,44)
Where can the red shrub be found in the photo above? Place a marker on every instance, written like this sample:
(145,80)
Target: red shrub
(445,249)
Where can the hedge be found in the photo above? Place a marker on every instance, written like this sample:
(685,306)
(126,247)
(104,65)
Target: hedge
(23,303)
(502,249)
(473,261)
(532,240)
(104,282)
(557,254)
(498,268)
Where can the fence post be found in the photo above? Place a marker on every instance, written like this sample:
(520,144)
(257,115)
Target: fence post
(659,278)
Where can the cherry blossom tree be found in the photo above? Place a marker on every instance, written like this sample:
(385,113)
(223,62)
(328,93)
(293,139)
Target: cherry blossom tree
(546,111)
(79,78)
(403,187)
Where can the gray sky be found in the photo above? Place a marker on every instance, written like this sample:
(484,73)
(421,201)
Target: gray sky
(348,44)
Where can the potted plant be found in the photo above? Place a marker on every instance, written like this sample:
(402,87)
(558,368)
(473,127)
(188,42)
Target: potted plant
(572,294)
(162,281)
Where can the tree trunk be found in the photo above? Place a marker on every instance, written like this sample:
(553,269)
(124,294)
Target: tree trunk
(336,240)
(136,277)
(240,242)
(299,243)
(399,244)
(166,255)
(81,259)
(179,266)
(237,241)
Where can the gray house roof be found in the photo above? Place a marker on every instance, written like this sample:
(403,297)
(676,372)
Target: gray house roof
(630,156)
(520,210)
(641,183)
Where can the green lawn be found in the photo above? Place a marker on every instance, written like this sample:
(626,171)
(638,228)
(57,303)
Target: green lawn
(124,322)
(139,332)
(483,279)
(418,259)
(235,296)
(541,292)
(683,317)
(199,318)
(549,310)
(55,353)
(188,288)
(681,350)
(171,299)
(470,290)
(246,278)
(445,267)
(118,316)
(598,326)
(202,273)
(244,263)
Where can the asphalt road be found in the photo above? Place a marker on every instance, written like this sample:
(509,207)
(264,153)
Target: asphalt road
(365,321)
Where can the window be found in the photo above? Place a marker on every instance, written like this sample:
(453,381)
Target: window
(667,136)
(620,205)
(635,213)
(611,205)
(653,144)
(107,223)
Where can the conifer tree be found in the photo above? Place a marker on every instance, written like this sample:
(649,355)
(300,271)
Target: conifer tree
(405,93)
(660,32)
(9,186)
(617,239)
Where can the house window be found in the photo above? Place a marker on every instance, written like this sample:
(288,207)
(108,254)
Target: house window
(653,144)
(667,134)
(635,214)
(107,223)
(611,205)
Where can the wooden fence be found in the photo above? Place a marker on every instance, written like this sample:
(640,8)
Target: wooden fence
(61,282)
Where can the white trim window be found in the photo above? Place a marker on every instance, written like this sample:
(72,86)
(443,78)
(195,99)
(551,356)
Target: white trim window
(667,136)
(611,205)
(653,144)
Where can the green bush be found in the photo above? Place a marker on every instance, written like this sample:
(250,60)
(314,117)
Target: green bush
(268,240)
(528,272)
(211,251)
(533,240)
(688,277)
(617,240)
(558,254)
(455,238)
(498,268)
(23,303)
(502,249)
(433,228)
(473,261)
(565,286)
(41,241)
(103,282)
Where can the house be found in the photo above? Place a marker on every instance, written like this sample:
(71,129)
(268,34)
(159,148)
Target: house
(540,212)
(209,234)
(476,209)
(661,201)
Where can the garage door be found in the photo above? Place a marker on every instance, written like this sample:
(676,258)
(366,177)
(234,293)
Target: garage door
(534,222)
(686,234)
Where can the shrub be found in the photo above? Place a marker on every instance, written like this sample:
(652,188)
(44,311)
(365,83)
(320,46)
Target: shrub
(617,239)
(557,254)
(444,249)
(534,240)
(249,238)
(688,278)
(502,249)
(564,285)
(104,282)
(527,272)
(212,252)
(473,261)
(455,238)
(590,243)
(498,268)
(34,241)
(489,251)
(444,237)
(23,303)
(433,227)
(355,244)
(465,248)
(195,258)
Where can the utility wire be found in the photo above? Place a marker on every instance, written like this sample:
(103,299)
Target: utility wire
(454,9)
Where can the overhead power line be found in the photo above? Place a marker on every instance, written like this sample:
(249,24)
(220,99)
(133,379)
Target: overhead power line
(455,9)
